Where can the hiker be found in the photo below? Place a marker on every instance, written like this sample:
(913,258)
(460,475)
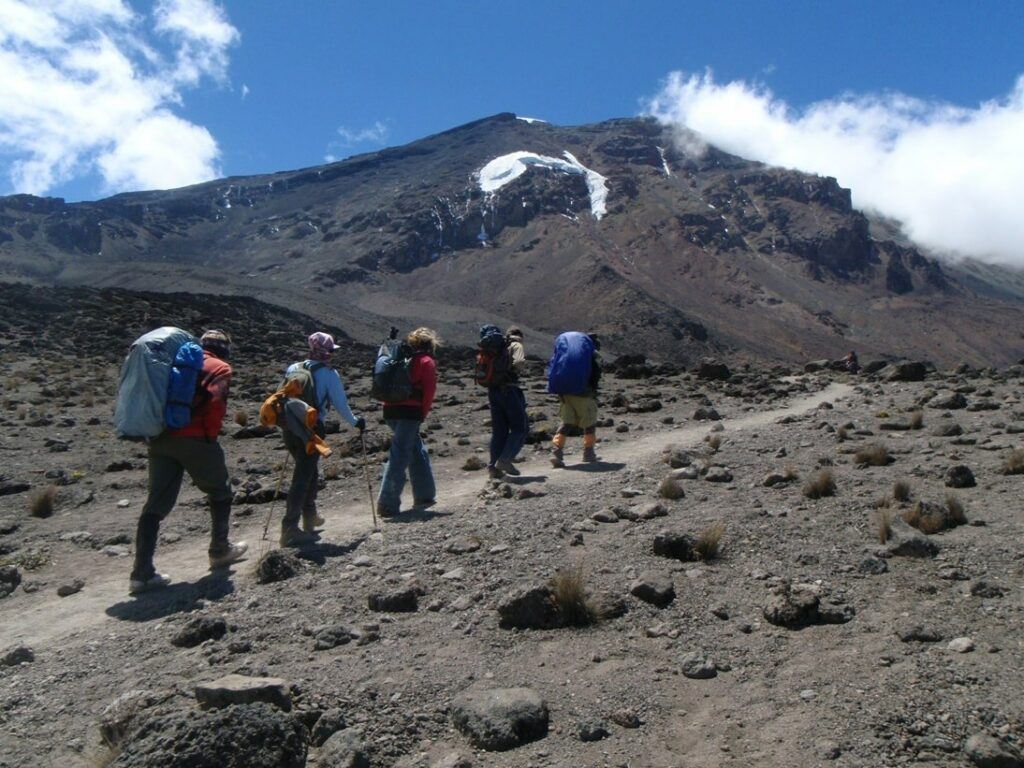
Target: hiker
(500,359)
(329,391)
(851,363)
(193,449)
(573,375)
(405,417)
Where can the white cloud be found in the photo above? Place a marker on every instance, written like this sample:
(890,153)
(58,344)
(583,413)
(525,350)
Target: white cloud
(84,88)
(952,175)
(245,91)
(374,134)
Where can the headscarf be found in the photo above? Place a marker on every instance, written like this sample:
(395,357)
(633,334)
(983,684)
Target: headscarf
(218,342)
(321,345)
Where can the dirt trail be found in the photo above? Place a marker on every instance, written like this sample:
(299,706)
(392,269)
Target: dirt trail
(104,599)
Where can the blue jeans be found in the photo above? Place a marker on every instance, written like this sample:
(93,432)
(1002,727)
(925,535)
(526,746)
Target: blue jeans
(509,423)
(407,454)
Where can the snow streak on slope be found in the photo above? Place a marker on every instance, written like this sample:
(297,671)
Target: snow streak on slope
(506,168)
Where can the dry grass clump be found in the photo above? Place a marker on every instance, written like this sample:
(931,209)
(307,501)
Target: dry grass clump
(955,508)
(43,501)
(1013,464)
(901,491)
(822,483)
(105,756)
(569,591)
(882,519)
(714,442)
(790,473)
(932,518)
(873,456)
(88,400)
(842,435)
(332,471)
(670,488)
(709,541)
(916,420)
(241,418)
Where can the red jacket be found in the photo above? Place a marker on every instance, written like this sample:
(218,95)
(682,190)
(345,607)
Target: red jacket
(423,375)
(211,401)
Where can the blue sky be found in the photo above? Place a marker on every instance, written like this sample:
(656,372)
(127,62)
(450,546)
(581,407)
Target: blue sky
(273,94)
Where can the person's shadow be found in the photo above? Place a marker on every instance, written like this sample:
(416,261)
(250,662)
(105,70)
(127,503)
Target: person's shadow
(597,466)
(178,597)
(322,550)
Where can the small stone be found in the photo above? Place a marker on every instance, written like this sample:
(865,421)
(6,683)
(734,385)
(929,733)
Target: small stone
(654,587)
(626,718)
(697,666)
(398,601)
(18,654)
(718,475)
(989,752)
(592,730)
(463,546)
(123,504)
(501,718)
(199,630)
(71,588)
(961,645)
(960,476)
(329,723)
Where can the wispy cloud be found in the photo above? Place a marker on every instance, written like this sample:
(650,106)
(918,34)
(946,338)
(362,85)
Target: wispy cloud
(89,86)
(245,91)
(348,137)
(952,175)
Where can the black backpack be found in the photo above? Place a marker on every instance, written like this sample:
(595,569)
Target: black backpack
(392,382)
(493,359)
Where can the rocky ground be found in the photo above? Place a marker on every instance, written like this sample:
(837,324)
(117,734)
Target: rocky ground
(450,637)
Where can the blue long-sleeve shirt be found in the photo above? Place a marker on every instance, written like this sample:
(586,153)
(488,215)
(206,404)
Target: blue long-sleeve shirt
(330,392)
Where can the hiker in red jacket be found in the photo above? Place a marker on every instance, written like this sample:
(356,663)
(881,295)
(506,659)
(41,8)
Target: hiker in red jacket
(405,418)
(193,449)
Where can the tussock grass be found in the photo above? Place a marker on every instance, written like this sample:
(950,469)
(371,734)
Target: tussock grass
(1013,464)
(901,491)
(873,456)
(714,442)
(569,591)
(241,418)
(332,471)
(842,435)
(670,488)
(956,509)
(709,541)
(882,519)
(790,473)
(916,420)
(822,483)
(43,501)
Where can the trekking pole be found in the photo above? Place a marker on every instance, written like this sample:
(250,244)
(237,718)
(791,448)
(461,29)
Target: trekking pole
(369,485)
(277,493)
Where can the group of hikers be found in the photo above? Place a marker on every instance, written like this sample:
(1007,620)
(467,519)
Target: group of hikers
(182,427)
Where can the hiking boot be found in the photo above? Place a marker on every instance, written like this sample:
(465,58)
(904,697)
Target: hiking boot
(234,553)
(383,511)
(293,537)
(557,458)
(507,467)
(311,523)
(156,581)
(424,503)
(589,455)
(494,473)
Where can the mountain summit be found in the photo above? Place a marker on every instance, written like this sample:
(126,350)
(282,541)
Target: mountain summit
(625,228)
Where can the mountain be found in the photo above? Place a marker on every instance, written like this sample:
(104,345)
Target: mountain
(625,228)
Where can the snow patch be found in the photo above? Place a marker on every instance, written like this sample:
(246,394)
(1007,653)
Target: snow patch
(507,168)
(664,162)
(530,120)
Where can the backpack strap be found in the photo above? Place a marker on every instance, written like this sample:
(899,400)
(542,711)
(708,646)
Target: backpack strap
(313,366)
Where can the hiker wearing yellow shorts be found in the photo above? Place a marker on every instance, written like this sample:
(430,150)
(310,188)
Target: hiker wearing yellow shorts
(574,374)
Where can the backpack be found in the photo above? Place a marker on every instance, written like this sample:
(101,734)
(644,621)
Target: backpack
(570,366)
(183,392)
(303,376)
(142,394)
(392,381)
(493,359)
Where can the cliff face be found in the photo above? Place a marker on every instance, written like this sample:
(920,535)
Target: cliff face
(610,227)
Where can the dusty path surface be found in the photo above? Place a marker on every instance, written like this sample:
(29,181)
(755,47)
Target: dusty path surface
(53,619)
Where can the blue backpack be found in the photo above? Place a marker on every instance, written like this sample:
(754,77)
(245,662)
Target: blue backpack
(181,390)
(570,365)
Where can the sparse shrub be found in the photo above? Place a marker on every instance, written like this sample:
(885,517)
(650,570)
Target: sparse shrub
(89,400)
(241,418)
(822,483)
(790,473)
(932,518)
(569,591)
(901,491)
(956,509)
(709,541)
(842,435)
(1013,464)
(882,415)
(22,412)
(714,442)
(882,518)
(332,471)
(105,756)
(670,488)
(916,420)
(43,501)
(873,456)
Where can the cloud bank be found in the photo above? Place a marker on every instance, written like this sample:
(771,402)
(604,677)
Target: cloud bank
(91,86)
(953,176)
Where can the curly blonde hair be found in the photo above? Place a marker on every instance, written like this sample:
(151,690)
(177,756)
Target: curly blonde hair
(425,339)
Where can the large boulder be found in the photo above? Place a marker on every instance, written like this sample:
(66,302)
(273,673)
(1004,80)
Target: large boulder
(713,370)
(243,736)
(800,605)
(948,401)
(344,749)
(654,587)
(239,689)
(986,751)
(906,370)
(500,718)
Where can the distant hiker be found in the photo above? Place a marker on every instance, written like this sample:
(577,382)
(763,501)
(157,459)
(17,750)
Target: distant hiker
(499,360)
(573,375)
(851,363)
(405,380)
(193,449)
(323,386)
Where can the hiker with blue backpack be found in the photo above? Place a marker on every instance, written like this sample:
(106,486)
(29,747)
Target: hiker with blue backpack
(573,375)
(321,388)
(174,394)
(499,359)
(405,381)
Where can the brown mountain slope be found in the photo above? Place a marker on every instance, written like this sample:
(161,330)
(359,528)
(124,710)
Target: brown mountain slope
(695,254)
